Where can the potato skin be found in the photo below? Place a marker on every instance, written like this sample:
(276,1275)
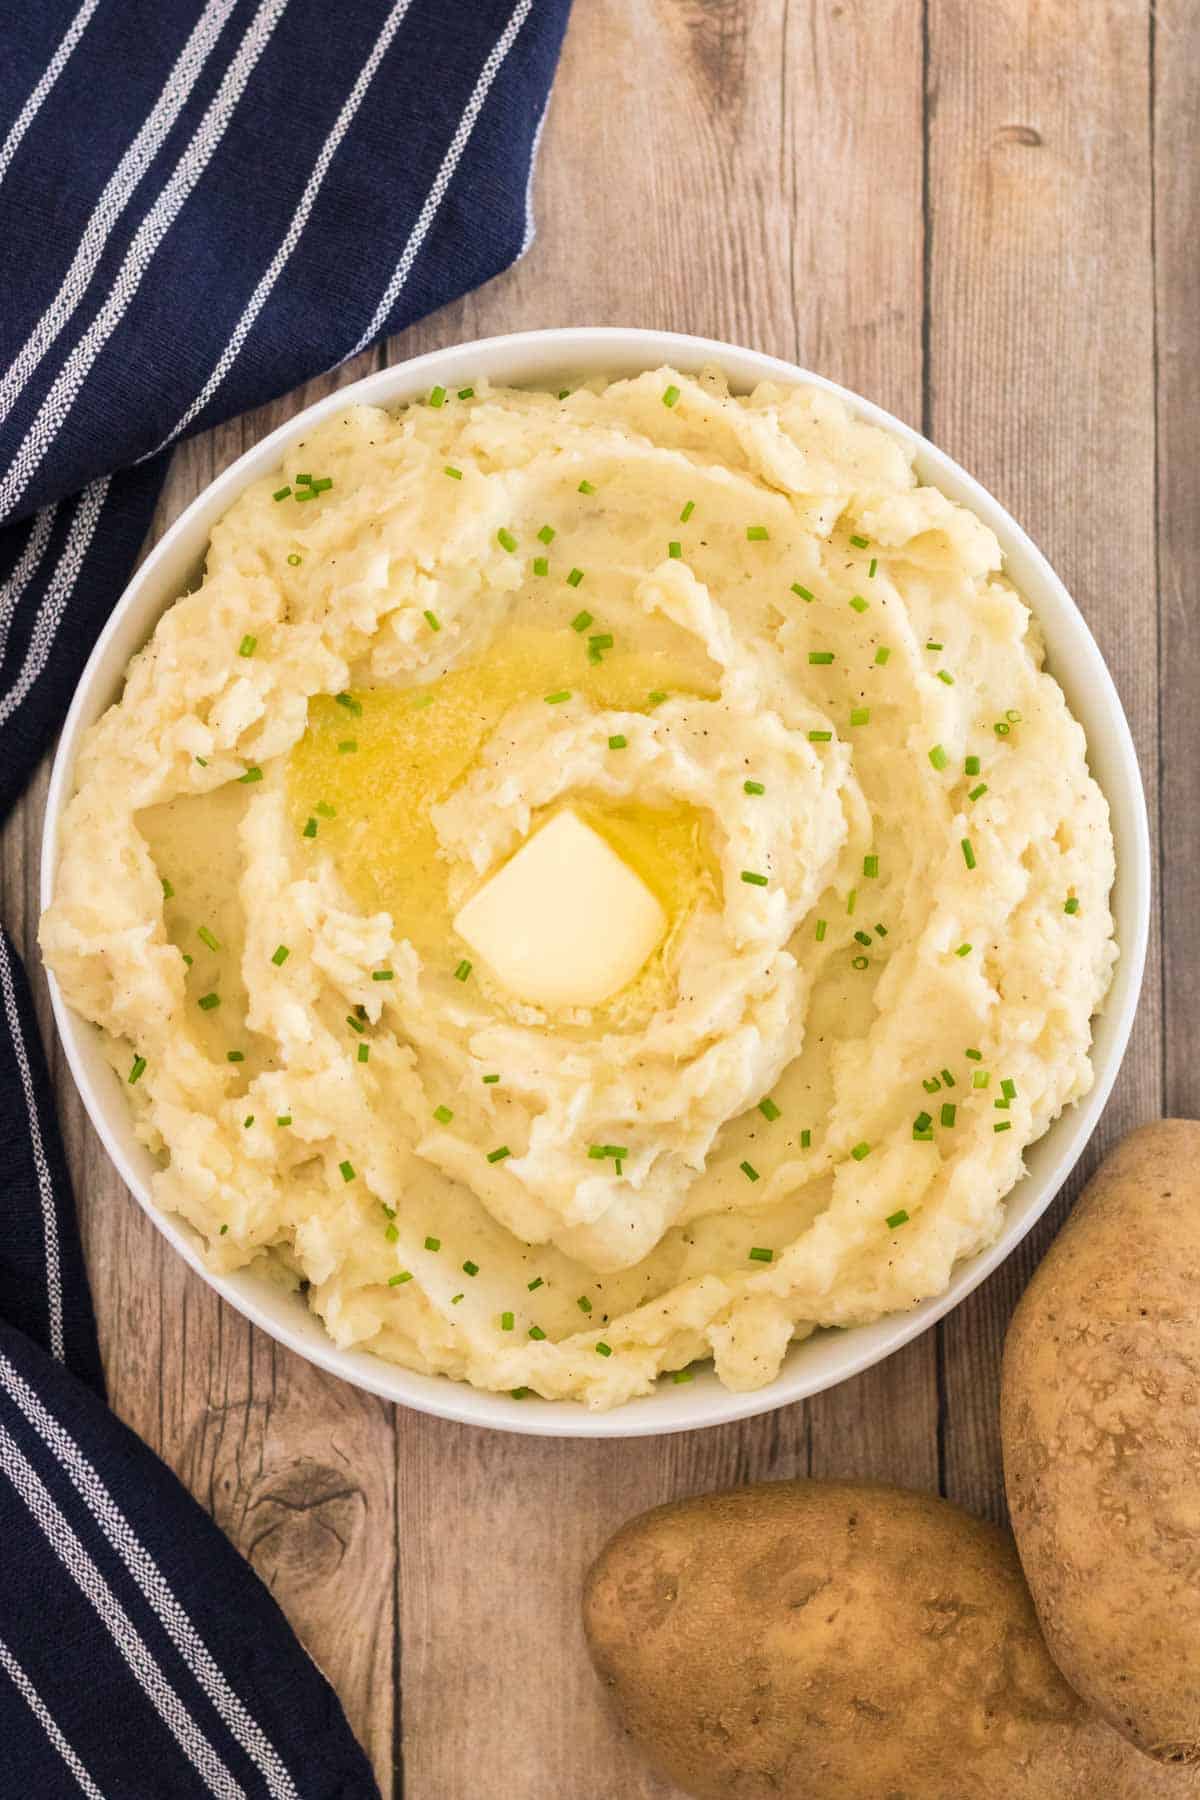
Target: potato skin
(1100,1418)
(843,1641)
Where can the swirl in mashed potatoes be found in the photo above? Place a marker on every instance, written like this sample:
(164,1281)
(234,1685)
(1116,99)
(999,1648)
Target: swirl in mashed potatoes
(794,693)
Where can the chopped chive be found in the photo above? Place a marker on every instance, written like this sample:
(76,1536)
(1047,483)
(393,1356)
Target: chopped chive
(584,1304)
(949,1112)
(670,395)
(348,746)
(749,1171)
(467,393)
(860,1151)
(968,852)
(437,396)
(168,892)
(350,703)
(859,604)
(978,791)
(874,564)
(618,741)
(769,1110)
(364,1053)
(574,578)
(223,1230)
(505,539)
(355,1024)
(463,970)
(882,654)
(304,480)
(753,787)
(818,658)
(347,1171)
(945,675)
(922,1122)
(895,1219)
(563,392)
(281,493)
(675,550)
(391,1234)
(585,487)
(931,1084)
(507,1321)
(537,1334)
(535,1284)
(206,937)
(400,1279)
(971,765)
(490,1080)
(975,1055)
(863,937)
(822,927)
(325,810)
(656,697)
(930,645)
(547,534)
(283,1119)
(860,962)
(254,774)
(294,560)
(805,1139)
(757,534)
(1003,1125)
(1071,905)
(601,640)
(235,1056)
(1013,716)
(820,737)
(860,543)
(1001,729)
(454,1300)
(938,757)
(802,591)
(753,880)
(947,1077)
(280,956)
(431,619)
(603,1349)
(310,828)
(682,1375)
(248,645)
(556,699)
(499,1154)
(248,1121)
(137,1071)
(860,715)
(206,1002)
(871,866)
(581,621)
(470,1268)
(383,974)
(453,473)
(758,1254)
(963,950)
(541,565)
(442,1114)
(1009,1089)
(851,902)
(687,512)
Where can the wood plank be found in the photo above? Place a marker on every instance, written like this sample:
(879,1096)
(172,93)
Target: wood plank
(1041,383)
(1176,52)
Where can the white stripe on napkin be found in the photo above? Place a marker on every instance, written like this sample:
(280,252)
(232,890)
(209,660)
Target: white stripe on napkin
(41,1713)
(54,1291)
(128,1640)
(150,1579)
(50,75)
(88,507)
(118,191)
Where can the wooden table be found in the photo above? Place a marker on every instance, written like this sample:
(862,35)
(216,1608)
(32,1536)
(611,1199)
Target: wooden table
(978,216)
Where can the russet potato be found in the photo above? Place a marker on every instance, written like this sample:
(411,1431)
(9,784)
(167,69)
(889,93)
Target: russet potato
(844,1641)
(1101,1428)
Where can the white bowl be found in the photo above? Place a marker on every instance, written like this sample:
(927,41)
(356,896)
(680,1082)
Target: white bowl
(541,358)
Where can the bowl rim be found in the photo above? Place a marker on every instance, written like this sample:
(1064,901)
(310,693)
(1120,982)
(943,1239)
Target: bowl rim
(618,350)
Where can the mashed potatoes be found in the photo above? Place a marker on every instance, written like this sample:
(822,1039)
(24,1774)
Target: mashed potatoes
(789,687)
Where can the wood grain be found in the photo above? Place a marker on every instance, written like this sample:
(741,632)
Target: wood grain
(985,219)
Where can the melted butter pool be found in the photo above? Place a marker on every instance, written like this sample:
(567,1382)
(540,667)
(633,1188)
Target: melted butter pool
(412,747)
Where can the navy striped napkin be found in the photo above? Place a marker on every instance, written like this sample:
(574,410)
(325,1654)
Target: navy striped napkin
(201,206)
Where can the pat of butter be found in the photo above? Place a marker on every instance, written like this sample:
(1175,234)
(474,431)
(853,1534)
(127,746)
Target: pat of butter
(565,922)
